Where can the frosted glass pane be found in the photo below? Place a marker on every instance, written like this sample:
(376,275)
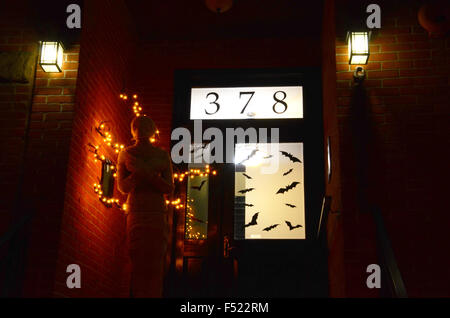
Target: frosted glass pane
(197,206)
(269,205)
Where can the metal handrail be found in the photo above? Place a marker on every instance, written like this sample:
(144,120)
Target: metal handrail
(386,254)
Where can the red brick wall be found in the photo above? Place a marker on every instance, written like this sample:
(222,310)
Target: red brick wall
(404,153)
(92,235)
(70,225)
(15,101)
(47,158)
(48,119)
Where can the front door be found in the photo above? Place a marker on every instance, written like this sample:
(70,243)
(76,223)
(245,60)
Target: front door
(250,222)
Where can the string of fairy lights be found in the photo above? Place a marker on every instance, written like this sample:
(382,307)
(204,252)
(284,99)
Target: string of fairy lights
(108,141)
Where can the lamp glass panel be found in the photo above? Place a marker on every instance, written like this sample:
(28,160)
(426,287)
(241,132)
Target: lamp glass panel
(60,56)
(50,68)
(51,56)
(359,59)
(49,52)
(360,43)
(358,47)
(269,196)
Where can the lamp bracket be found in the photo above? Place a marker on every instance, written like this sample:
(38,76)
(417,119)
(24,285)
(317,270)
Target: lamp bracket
(359,75)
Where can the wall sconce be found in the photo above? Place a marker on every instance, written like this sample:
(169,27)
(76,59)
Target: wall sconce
(358,47)
(51,59)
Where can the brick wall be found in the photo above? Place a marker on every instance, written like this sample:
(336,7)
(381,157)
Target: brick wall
(394,144)
(46,167)
(35,134)
(92,235)
(15,101)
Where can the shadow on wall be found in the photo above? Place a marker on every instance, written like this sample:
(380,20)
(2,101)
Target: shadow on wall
(362,142)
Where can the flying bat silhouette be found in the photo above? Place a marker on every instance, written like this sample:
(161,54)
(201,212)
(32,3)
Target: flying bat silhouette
(253,221)
(247,204)
(287,172)
(291,205)
(197,220)
(254,151)
(269,228)
(203,146)
(246,190)
(247,176)
(291,227)
(287,188)
(290,156)
(199,188)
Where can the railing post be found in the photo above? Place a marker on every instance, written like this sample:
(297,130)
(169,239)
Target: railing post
(390,270)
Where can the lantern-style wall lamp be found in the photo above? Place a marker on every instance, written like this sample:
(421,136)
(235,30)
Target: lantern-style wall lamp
(358,47)
(51,58)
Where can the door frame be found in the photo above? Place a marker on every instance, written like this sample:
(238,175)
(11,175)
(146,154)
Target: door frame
(308,130)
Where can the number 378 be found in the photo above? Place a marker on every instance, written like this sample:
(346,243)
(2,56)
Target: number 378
(279,107)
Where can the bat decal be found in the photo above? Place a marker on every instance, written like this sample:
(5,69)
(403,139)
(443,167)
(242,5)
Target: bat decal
(291,205)
(269,228)
(254,151)
(199,188)
(247,204)
(291,227)
(290,156)
(247,176)
(287,188)
(246,190)
(269,156)
(253,221)
(197,220)
(203,146)
(287,172)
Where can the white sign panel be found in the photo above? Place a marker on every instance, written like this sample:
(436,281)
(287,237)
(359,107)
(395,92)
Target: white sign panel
(247,102)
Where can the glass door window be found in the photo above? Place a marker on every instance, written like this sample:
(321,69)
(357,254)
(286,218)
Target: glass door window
(269,191)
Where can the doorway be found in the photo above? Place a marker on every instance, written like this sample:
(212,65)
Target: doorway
(250,230)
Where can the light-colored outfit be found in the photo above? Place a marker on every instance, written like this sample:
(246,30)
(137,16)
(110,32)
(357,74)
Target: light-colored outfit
(147,226)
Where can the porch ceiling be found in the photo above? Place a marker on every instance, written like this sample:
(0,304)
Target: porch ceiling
(181,19)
